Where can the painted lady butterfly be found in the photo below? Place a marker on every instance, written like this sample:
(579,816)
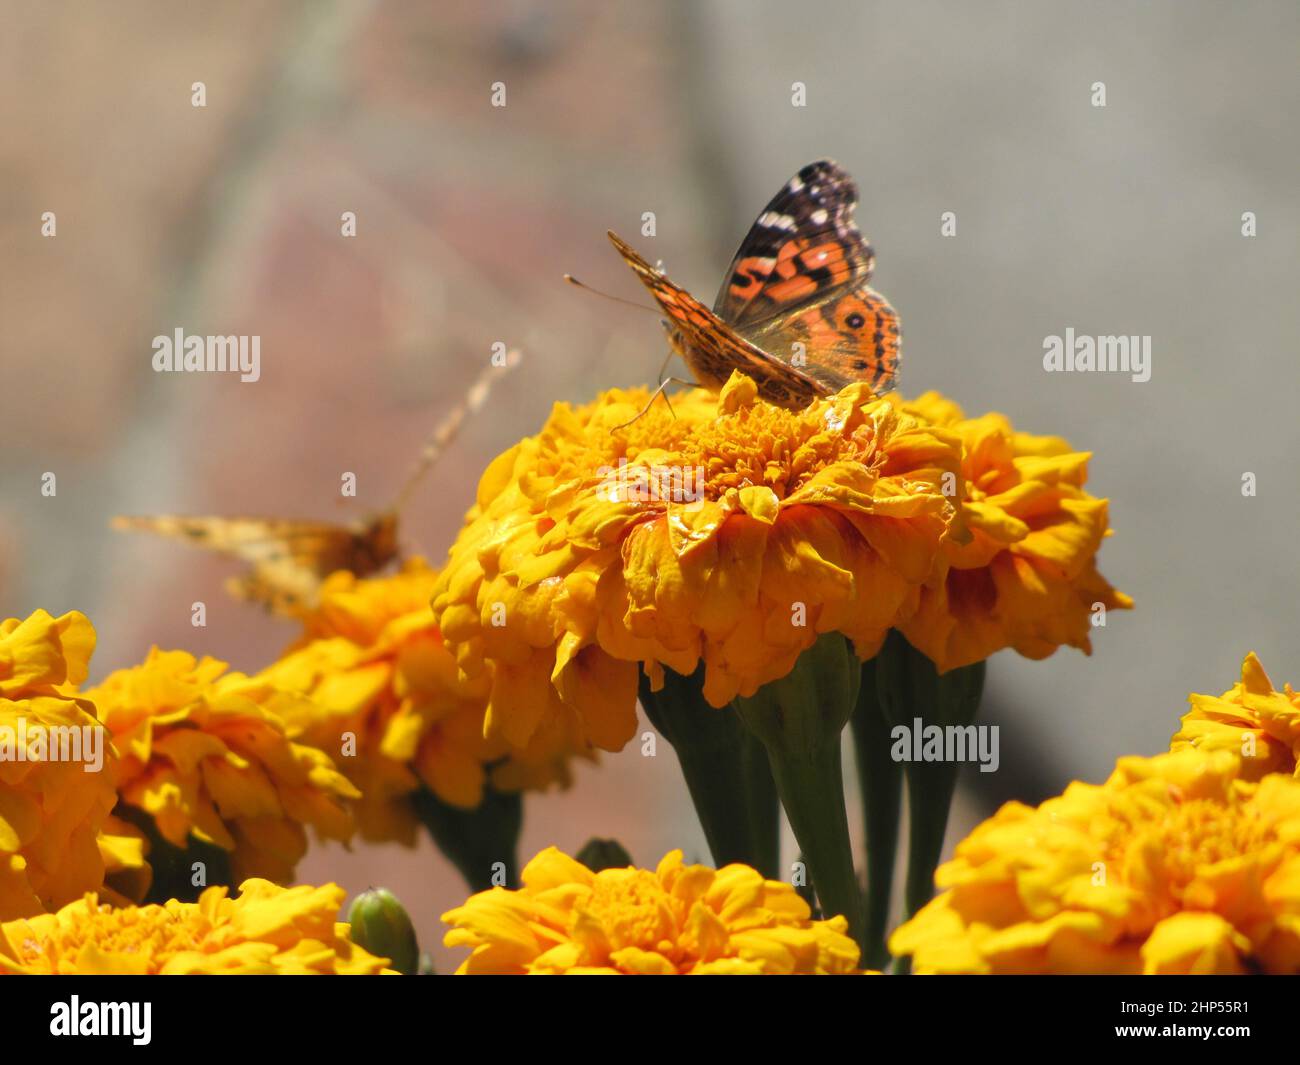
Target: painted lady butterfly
(795,312)
(290,558)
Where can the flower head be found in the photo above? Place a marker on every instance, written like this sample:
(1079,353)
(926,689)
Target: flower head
(728,530)
(1175,864)
(1249,719)
(266,930)
(376,668)
(677,920)
(205,753)
(1027,576)
(52,808)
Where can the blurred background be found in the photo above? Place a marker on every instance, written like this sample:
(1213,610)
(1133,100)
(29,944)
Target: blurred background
(226,219)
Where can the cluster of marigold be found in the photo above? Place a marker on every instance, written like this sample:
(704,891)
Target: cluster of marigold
(857,515)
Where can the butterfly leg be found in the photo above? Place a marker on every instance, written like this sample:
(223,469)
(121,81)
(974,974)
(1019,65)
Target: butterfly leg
(653,396)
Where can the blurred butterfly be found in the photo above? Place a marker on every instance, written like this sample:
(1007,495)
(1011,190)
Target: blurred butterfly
(795,312)
(290,558)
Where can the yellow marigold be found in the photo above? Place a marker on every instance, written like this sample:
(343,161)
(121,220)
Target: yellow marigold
(1175,865)
(1249,719)
(678,920)
(205,753)
(52,808)
(1027,576)
(374,663)
(266,930)
(728,530)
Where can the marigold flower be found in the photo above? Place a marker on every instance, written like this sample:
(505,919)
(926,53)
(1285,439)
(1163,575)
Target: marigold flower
(205,753)
(52,811)
(1027,576)
(375,666)
(1249,719)
(266,930)
(677,920)
(1176,864)
(728,530)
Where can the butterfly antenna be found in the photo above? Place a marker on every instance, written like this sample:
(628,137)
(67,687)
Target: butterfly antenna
(445,431)
(605,295)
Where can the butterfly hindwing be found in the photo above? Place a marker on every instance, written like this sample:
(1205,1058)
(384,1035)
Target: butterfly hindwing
(846,336)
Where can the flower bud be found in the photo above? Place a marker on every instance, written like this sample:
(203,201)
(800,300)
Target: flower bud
(381,926)
(598,854)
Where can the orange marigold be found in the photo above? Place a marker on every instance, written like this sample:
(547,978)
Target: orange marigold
(1250,719)
(677,920)
(266,930)
(57,770)
(206,753)
(387,695)
(728,530)
(1027,576)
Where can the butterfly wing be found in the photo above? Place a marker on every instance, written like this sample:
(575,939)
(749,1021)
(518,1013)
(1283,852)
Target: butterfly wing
(800,278)
(713,349)
(288,558)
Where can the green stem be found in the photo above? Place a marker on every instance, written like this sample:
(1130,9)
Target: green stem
(930,788)
(880,781)
(482,843)
(814,806)
(725,769)
(800,719)
(764,802)
(913,695)
(173,868)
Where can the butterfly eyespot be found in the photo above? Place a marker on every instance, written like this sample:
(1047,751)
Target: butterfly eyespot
(855,321)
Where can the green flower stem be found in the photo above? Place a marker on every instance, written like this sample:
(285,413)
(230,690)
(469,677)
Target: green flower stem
(910,689)
(764,803)
(174,870)
(880,780)
(935,784)
(475,841)
(800,719)
(811,787)
(726,772)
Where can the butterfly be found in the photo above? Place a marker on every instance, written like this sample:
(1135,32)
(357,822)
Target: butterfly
(290,558)
(795,312)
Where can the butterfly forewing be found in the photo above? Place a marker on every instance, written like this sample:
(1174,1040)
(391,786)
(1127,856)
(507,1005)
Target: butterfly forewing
(710,347)
(803,244)
(289,558)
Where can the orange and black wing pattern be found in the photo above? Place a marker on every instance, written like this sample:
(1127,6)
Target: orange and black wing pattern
(798,287)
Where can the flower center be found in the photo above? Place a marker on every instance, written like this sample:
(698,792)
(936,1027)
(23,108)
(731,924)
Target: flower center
(149,930)
(1192,836)
(1202,833)
(633,910)
(759,445)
